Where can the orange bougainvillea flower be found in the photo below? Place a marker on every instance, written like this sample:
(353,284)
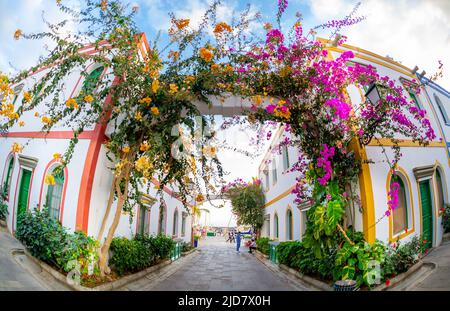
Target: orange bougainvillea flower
(144,146)
(27,97)
(21,123)
(155,86)
(174,55)
(16,148)
(126,149)
(88,98)
(46,120)
(221,27)
(72,103)
(56,156)
(215,67)
(155,111)
(145,100)
(173,88)
(138,116)
(49,180)
(17,34)
(181,23)
(200,198)
(206,54)
(36,114)
(104,5)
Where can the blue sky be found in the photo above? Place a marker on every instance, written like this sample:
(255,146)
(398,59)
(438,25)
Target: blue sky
(413,32)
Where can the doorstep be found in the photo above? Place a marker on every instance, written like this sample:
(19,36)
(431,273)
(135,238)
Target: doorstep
(106,286)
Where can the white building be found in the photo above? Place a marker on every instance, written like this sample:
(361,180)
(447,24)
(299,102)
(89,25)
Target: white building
(423,171)
(79,197)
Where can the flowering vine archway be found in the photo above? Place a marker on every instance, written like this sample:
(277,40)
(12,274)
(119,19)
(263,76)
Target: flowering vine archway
(147,92)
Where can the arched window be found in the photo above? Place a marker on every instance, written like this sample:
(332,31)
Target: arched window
(442,109)
(54,196)
(175,223)
(275,223)
(400,213)
(91,81)
(8,176)
(183,223)
(162,220)
(289,225)
(440,190)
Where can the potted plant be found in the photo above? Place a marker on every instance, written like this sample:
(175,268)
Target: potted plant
(196,238)
(3,213)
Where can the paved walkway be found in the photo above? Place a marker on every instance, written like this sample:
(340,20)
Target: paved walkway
(18,272)
(439,279)
(216,266)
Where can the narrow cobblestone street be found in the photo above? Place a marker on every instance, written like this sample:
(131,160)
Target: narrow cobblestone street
(439,279)
(14,276)
(217,266)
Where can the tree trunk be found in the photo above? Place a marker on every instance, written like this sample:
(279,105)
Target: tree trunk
(121,199)
(108,210)
(104,269)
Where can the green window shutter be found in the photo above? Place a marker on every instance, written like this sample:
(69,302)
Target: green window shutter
(7,183)
(413,97)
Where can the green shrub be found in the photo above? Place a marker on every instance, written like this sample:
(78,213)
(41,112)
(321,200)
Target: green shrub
(130,255)
(262,244)
(295,255)
(446,218)
(47,240)
(80,248)
(42,235)
(139,253)
(354,261)
(399,258)
(161,246)
(186,247)
(3,210)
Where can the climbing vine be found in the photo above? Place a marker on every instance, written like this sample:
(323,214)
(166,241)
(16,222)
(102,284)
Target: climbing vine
(148,100)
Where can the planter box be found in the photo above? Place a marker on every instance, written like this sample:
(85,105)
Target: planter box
(102,287)
(446,237)
(316,284)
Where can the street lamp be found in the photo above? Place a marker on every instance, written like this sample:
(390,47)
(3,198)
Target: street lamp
(373,94)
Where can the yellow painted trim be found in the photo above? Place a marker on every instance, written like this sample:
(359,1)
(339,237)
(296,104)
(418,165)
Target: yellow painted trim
(366,190)
(405,70)
(404,143)
(279,197)
(393,238)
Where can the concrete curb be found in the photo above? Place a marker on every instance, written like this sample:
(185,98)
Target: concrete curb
(103,287)
(446,237)
(319,285)
(402,277)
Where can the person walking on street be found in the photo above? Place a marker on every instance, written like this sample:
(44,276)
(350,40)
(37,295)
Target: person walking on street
(238,239)
(252,244)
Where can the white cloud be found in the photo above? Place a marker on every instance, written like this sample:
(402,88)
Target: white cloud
(27,16)
(412,32)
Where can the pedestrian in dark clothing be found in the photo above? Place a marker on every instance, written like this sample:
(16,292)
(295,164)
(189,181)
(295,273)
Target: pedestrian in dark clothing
(252,244)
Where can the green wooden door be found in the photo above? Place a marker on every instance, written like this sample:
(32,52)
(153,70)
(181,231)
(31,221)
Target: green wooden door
(427,216)
(24,189)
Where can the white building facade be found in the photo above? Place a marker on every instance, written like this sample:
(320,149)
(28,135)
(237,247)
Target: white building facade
(422,172)
(80,194)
